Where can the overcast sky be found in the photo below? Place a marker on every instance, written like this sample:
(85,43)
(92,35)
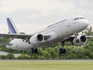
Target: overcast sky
(30,15)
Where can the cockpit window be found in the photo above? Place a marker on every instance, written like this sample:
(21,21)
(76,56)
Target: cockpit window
(78,18)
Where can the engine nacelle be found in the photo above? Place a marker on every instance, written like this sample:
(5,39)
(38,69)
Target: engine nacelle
(36,39)
(80,40)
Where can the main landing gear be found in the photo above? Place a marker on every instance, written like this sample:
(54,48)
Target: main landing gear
(62,50)
(34,50)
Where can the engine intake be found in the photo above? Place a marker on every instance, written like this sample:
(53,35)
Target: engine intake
(38,38)
(80,40)
(83,39)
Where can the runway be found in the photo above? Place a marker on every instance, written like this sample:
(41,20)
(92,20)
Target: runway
(47,60)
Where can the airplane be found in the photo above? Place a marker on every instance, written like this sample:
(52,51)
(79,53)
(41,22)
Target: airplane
(63,31)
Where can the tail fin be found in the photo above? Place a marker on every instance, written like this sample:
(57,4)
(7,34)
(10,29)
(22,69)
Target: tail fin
(12,28)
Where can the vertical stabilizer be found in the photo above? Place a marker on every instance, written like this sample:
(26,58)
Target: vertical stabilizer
(12,28)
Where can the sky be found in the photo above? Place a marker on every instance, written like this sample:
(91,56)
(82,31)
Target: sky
(31,15)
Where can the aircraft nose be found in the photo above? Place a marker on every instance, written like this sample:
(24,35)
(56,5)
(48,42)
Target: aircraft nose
(85,23)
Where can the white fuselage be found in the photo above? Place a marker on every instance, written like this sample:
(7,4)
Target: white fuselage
(62,30)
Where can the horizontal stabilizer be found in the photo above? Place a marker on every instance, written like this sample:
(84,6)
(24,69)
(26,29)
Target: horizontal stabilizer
(5,44)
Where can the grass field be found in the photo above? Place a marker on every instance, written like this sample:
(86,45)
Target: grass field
(46,65)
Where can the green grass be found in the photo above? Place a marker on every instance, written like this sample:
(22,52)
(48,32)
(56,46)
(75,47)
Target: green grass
(46,65)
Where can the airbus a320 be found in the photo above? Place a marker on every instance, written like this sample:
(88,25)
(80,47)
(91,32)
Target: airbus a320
(65,30)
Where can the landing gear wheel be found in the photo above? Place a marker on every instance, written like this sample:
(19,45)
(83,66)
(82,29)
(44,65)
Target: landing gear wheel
(32,50)
(62,50)
(35,50)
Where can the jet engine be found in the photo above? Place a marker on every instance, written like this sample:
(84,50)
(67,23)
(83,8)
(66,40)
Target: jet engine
(38,38)
(80,40)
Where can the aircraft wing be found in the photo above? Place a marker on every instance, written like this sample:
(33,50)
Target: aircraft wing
(89,36)
(21,36)
(73,36)
(86,36)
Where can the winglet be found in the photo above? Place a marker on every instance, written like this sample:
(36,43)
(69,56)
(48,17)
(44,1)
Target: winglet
(12,28)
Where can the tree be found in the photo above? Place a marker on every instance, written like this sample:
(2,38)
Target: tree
(47,55)
(10,56)
(72,56)
(23,56)
(2,57)
(88,53)
(88,31)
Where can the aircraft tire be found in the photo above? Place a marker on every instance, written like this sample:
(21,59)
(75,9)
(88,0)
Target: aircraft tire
(64,51)
(32,50)
(60,51)
(35,50)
